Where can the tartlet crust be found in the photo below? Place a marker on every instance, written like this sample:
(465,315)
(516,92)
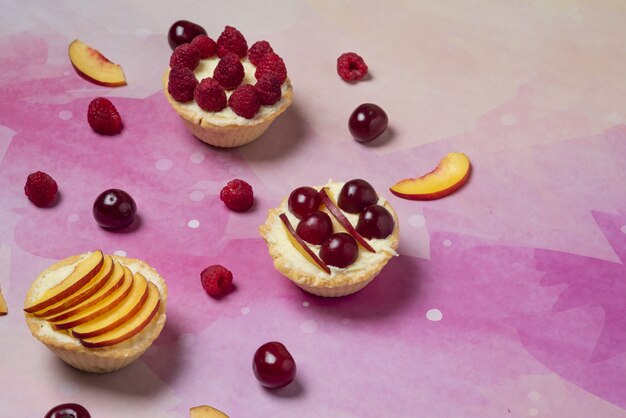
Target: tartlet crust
(105,359)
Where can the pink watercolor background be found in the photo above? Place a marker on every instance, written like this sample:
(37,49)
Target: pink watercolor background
(524,266)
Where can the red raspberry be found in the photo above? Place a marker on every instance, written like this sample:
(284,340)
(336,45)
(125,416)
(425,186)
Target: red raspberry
(210,95)
(231,40)
(258,50)
(271,63)
(182,83)
(229,71)
(205,45)
(244,101)
(40,188)
(186,55)
(351,67)
(216,280)
(268,89)
(237,195)
(103,117)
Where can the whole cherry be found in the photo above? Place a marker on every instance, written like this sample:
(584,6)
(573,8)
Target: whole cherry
(114,208)
(182,32)
(68,410)
(273,365)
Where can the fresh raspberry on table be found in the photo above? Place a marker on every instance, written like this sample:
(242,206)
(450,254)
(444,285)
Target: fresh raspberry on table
(103,117)
(229,71)
(216,280)
(210,96)
(237,195)
(271,63)
(40,188)
(205,46)
(182,83)
(185,55)
(244,101)
(231,40)
(268,89)
(351,67)
(258,51)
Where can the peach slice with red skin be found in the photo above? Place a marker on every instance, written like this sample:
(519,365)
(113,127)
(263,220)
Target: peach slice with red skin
(451,174)
(90,64)
(3,305)
(301,246)
(205,411)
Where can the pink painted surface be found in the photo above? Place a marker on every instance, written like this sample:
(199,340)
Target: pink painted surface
(508,296)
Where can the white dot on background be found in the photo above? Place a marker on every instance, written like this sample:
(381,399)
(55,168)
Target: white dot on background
(74,217)
(197,157)
(163,164)
(508,119)
(447,242)
(533,412)
(66,73)
(65,114)
(245,310)
(623,229)
(614,118)
(186,340)
(434,315)
(234,170)
(309,326)
(223,157)
(305,304)
(68,389)
(143,33)
(417,221)
(534,396)
(121,253)
(196,195)
(194,223)
(345,321)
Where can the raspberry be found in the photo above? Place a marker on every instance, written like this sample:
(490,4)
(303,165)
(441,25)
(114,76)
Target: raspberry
(351,67)
(205,45)
(231,40)
(210,95)
(182,83)
(216,280)
(229,71)
(237,195)
(258,50)
(268,89)
(244,101)
(103,117)
(186,55)
(40,188)
(271,63)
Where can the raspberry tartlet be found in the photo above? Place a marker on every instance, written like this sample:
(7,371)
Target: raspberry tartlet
(97,312)
(227,95)
(332,240)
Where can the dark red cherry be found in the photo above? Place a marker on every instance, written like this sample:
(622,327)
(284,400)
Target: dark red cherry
(367,122)
(273,365)
(303,201)
(114,208)
(375,222)
(68,410)
(182,32)
(356,195)
(315,228)
(339,250)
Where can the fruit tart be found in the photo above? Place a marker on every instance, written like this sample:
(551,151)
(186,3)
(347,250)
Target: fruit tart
(97,312)
(226,93)
(332,240)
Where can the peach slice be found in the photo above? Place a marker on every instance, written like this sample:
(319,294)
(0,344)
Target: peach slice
(3,305)
(132,326)
(79,277)
(205,411)
(301,246)
(118,315)
(343,221)
(95,67)
(451,173)
(96,283)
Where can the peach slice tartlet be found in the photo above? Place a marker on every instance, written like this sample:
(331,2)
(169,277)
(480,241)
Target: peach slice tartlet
(97,312)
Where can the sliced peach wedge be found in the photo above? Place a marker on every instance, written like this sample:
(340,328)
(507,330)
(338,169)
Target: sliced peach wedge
(451,174)
(3,305)
(95,67)
(205,411)
(302,246)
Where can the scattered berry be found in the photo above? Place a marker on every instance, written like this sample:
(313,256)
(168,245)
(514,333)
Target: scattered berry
(40,188)
(244,101)
(271,63)
(258,50)
(103,117)
(205,45)
(182,83)
(231,40)
(237,195)
(229,71)
(216,280)
(268,89)
(351,67)
(210,96)
(186,55)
